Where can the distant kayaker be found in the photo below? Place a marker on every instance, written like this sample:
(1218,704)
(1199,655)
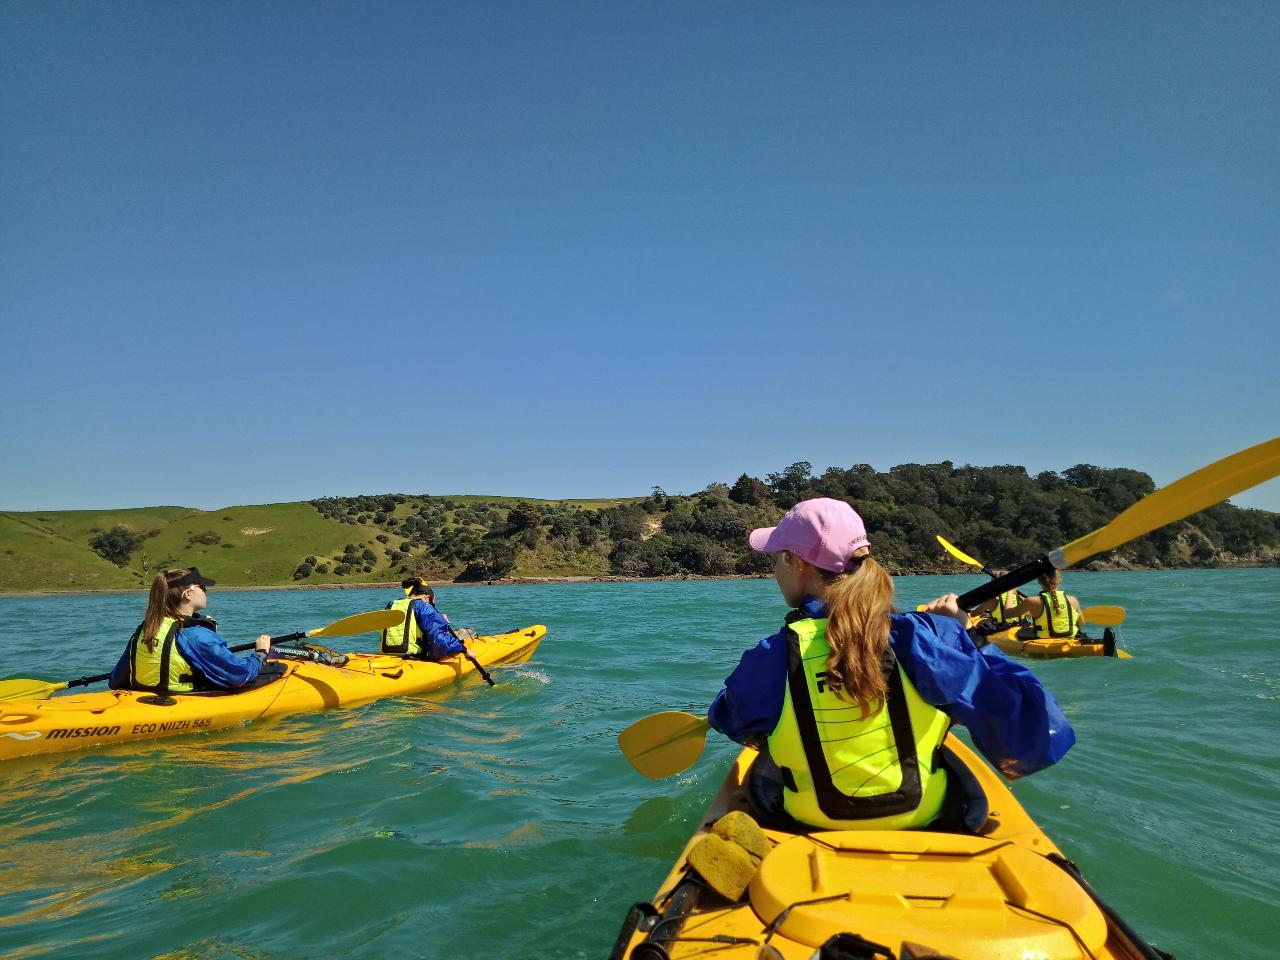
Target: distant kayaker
(1055,614)
(177,650)
(1001,606)
(999,613)
(426,634)
(853,700)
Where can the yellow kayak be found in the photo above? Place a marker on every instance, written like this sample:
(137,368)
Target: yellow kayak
(1010,642)
(119,716)
(1004,892)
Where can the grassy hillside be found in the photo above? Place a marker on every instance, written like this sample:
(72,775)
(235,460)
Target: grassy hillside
(33,558)
(256,545)
(1002,514)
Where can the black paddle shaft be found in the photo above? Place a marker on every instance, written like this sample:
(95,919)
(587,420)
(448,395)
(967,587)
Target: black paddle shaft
(476,663)
(1014,578)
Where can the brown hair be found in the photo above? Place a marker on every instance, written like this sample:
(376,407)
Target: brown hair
(163,601)
(1050,582)
(859,602)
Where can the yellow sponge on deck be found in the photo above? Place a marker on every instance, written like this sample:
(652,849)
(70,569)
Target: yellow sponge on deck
(738,827)
(725,866)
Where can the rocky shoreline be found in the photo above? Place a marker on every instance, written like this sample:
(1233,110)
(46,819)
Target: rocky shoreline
(1096,566)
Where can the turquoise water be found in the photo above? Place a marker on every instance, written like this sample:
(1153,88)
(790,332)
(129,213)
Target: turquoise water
(484,823)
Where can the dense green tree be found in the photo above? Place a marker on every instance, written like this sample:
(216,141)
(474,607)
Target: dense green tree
(492,559)
(719,520)
(749,491)
(116,545)
(624,522)
(698,554)
(523,516)
(789,486)
(642,558)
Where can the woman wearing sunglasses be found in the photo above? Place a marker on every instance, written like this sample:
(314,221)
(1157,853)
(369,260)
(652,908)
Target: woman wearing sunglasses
(178,650)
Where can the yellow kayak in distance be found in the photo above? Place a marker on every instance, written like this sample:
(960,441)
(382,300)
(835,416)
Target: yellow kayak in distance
(83,720)
(998,890)
(1011,642)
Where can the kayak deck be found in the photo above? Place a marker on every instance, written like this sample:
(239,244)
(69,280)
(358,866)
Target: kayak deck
(1005,893)
(116,716)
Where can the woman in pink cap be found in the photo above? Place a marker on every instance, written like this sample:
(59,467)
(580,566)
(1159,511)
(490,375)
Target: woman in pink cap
(852,700)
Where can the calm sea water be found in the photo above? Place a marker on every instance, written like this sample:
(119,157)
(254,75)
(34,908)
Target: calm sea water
(482,823)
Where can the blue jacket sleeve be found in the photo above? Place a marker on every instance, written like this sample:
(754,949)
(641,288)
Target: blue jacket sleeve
(1014,720)
(438,639)
(750,704)
(209,653)
(120,675)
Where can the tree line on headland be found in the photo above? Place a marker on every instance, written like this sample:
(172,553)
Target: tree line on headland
(1000,514)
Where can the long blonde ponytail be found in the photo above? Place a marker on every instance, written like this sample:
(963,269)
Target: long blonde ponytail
(859,604)
(163,601)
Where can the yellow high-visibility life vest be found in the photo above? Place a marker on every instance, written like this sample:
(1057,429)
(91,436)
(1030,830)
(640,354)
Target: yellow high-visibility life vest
(1002,610)
(405,640)
(846,772)
(163,669)
(1057,618)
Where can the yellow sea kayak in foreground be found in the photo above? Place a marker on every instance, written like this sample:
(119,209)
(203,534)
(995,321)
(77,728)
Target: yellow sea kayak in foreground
(118,716)
(1004,892)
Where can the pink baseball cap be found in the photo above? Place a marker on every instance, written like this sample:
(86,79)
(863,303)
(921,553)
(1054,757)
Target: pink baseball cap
(824,532)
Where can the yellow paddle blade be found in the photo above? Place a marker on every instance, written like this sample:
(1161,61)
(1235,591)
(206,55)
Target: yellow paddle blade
(1103,616)
(21,688)
(1209,485)
(664,744)
(959,554)
(371,622)
(1122,655)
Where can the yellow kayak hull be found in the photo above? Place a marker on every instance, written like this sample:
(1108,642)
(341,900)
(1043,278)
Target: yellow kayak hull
(1001,894)
(1010,642)
(119,716)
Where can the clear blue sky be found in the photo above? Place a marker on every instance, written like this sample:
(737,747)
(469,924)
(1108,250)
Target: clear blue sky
(267,251)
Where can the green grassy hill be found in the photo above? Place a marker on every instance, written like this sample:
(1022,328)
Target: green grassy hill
(258,545)
(1001,514)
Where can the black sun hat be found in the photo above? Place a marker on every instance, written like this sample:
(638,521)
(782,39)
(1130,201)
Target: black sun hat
(190,578)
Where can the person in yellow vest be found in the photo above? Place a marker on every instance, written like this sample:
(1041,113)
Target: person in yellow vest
(1001,607)
(850,701)
(1054,613)
(425,634)
(178,650)
(999,613)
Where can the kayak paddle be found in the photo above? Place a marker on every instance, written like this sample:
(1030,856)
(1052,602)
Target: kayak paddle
(374,620)
(664,744)
(963,557)
(1103,616)
(476,663)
